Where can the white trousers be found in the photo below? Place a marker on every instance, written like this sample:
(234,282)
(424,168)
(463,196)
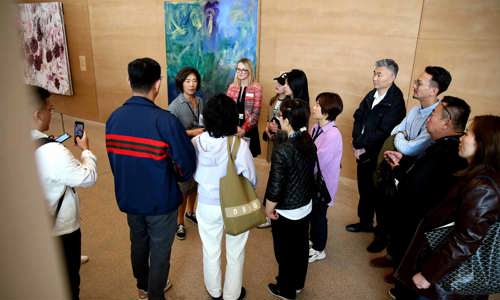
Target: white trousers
(211,229)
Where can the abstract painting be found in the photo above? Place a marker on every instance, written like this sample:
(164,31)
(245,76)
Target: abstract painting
(45,48)
(210,36)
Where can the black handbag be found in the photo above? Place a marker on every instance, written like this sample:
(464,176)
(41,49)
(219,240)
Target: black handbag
(321,193)
(478,275)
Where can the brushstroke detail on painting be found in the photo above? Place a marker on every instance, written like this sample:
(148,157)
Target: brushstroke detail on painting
(210,36)
(46,61)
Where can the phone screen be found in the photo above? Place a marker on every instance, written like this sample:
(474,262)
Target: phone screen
(63,137)
(78,129)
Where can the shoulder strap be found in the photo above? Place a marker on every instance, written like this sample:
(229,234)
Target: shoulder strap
(42,141)
(236,146)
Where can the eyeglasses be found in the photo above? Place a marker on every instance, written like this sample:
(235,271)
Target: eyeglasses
(447,111)
(241,70)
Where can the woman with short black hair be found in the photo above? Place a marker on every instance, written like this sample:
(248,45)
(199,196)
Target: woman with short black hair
(221,121)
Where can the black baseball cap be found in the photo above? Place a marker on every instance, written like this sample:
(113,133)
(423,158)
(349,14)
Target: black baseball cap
(282,78)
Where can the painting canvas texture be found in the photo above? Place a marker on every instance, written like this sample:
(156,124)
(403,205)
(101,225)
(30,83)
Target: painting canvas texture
(45,49)
(210,36)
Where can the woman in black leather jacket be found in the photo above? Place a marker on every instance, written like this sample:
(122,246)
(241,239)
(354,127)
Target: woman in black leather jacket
(288,199)
(473,204)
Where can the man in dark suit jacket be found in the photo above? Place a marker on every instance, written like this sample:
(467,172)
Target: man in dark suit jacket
(380,111)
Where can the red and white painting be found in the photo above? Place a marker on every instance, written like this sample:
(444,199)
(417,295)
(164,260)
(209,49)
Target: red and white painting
(45,47)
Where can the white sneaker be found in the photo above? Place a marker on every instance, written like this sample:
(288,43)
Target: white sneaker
(265,224)
(84,259)
(315,255)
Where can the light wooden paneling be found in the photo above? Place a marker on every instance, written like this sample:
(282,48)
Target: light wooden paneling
(464,37)
(83,103)
(121,32)
(336,43)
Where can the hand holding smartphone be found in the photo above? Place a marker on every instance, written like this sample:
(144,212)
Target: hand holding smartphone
(78,130)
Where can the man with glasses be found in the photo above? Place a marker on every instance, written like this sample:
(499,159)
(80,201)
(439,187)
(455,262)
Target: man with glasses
(149,151)
(423,182)
(60,173)
(411,138)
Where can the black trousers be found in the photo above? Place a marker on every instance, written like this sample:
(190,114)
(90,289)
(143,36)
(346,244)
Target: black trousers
(319,225)
(367,192)
(71,244)
(291,248)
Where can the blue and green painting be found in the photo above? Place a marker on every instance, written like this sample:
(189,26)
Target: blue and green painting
(210,36)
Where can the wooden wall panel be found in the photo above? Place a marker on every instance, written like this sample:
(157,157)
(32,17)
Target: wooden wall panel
(336,44)
(121,32)
(83,102)
(464,37)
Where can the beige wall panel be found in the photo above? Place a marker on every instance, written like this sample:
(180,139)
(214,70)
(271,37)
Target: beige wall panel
(121,32)
(83,103)
(461,20)
(467,43)
(336,44)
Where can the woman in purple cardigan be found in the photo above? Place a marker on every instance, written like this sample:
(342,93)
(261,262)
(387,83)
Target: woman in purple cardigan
(328,140)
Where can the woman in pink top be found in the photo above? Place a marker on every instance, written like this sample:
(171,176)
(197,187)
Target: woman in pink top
(247,93)
(328,141)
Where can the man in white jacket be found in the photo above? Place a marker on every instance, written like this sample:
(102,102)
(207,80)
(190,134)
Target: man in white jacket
(60,172)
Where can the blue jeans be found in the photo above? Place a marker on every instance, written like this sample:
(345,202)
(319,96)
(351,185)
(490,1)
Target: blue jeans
(151,240)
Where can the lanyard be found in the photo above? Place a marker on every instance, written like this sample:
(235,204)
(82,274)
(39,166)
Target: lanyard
(197,117)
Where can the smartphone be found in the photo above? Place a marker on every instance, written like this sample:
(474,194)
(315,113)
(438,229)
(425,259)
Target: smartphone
(62,138)
(79,126)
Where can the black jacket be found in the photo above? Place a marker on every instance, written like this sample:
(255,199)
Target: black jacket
(424,182)
(377,122)
(474,205)
(291,178)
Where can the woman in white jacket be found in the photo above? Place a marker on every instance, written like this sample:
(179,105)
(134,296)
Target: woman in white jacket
(221,120)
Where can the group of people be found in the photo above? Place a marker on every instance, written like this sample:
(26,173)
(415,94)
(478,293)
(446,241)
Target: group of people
(421,171)
(162,159)
(420,167)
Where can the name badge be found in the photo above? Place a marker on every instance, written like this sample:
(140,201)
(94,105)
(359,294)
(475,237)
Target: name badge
(241,116)
(250,94)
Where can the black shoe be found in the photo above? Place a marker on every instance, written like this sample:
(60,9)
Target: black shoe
(191,217)
(242,294)
(382,262)
(275,291)
(377,245)
(359,227)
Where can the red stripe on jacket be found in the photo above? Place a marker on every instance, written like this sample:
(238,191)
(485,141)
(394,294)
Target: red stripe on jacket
(137,154)
(126,138)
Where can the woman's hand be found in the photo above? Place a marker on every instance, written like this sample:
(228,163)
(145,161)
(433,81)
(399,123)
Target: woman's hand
(270,211)
(420,281)
(194,132)
(241,132)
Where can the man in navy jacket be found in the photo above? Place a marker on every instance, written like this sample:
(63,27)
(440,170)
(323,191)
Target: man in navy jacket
(149,152)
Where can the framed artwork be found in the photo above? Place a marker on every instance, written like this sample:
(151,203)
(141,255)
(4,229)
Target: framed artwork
(46,62)
(211,36)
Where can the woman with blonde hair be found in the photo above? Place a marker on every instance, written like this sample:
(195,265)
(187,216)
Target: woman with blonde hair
(247,93)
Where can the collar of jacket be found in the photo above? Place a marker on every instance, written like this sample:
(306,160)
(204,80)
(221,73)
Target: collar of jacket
(387,98)
(139,100)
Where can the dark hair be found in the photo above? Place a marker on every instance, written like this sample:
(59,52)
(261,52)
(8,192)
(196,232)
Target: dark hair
(458,111)
(296,112)
(183,74)
(441,78)
(220,116)
(486,130)
(143,73)
(297,80)
(331,104)
(40,97)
